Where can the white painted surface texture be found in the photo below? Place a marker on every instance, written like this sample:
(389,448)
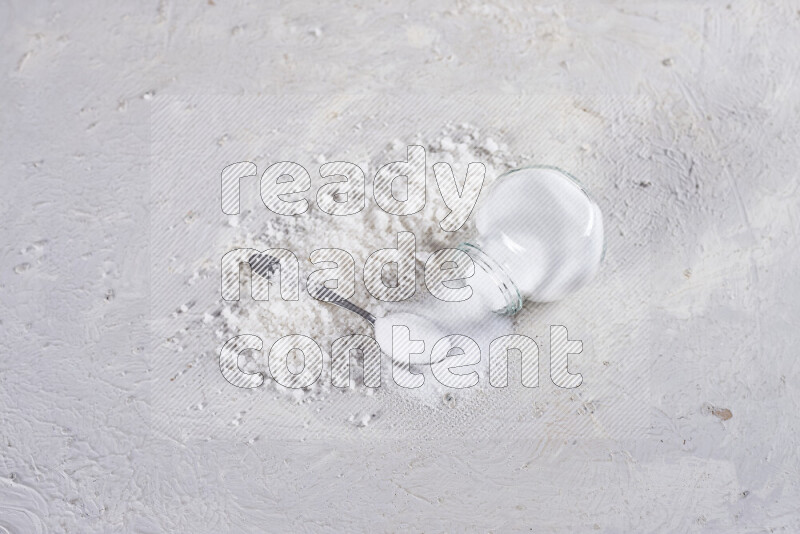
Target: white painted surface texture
(80,447)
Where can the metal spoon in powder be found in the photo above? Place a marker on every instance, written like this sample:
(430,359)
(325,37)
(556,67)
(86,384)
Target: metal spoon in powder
(420,328)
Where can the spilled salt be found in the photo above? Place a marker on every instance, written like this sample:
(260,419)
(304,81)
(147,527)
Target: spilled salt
(420,328)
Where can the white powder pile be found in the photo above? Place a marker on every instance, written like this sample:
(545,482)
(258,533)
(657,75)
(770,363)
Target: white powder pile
(361,234)
(421,327)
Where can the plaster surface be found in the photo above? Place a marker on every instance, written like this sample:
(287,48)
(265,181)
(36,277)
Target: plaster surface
(79,451)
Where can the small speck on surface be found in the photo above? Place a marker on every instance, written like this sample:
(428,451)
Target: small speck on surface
(722,413)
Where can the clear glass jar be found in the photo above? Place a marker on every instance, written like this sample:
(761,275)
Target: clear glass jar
(540,237)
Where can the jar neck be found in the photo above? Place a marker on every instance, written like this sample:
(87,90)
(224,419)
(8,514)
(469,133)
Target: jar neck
(506,286)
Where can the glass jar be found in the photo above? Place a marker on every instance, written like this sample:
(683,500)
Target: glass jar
(540,237)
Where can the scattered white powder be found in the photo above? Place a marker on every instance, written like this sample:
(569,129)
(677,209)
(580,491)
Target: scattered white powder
(361,234)
(425,329)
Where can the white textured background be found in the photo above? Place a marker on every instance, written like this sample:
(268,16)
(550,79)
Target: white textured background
(76,451)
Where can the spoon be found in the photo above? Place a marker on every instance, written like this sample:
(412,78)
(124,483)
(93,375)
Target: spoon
(334,298)
(265,265)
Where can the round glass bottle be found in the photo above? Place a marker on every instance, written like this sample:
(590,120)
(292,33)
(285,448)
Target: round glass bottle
(540,237)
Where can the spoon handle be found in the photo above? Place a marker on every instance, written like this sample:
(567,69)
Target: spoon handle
(265,264)
(334,298)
